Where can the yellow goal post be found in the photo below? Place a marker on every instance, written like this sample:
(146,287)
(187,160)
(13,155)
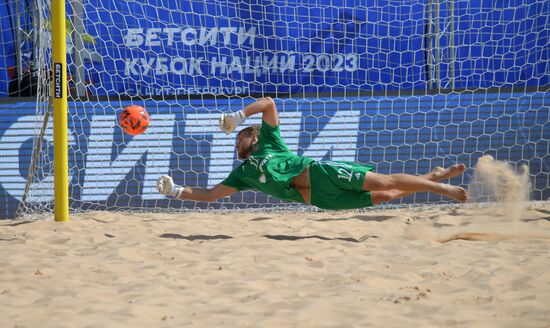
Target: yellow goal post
(60,112)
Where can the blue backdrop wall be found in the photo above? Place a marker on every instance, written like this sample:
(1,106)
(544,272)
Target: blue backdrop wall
(111,170)
(181,47)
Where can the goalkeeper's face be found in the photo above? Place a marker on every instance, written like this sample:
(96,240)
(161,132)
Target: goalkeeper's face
(246,143)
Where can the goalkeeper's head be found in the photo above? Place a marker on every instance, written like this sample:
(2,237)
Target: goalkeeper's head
(247,140)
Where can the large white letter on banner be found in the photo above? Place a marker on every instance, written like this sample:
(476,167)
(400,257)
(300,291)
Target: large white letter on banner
(339,136)
(10,144)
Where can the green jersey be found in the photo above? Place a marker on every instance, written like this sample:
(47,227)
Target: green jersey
(270,168)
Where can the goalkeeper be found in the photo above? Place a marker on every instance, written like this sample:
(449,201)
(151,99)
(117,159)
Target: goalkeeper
(270,167)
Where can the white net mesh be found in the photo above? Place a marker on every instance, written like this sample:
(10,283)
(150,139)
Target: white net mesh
(403,86)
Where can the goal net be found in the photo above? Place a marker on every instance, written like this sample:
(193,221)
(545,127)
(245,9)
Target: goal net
(405,86)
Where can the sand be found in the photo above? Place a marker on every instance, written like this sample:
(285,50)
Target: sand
(377,268)
(447,266)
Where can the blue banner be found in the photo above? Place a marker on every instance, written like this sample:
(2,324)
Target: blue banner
(250,47)
(112,170)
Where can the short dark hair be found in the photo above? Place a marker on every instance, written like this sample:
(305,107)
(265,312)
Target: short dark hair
(253,130)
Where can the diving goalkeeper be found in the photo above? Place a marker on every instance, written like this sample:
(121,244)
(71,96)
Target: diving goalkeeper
(269,166)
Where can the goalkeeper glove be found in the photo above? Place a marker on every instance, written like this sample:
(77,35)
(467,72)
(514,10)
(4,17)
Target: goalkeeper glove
(228,122)
(166,186)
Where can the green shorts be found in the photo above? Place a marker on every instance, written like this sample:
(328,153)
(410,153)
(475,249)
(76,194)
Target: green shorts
(337,185)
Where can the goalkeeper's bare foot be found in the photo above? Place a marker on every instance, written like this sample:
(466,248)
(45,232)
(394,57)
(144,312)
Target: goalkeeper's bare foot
(457,193)
(439,173)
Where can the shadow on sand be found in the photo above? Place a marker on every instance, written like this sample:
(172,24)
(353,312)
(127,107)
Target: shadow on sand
(194,237)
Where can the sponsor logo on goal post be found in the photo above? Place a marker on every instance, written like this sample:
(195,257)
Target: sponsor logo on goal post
(57,80)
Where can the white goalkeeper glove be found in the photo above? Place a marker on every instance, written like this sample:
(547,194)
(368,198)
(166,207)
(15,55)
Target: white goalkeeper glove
(229,122)
(166,186)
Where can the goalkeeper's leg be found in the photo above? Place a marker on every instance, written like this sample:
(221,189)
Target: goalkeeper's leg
(436,175)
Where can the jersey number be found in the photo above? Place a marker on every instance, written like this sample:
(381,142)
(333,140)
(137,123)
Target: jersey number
(345,174)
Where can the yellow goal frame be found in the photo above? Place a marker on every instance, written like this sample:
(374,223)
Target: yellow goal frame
(60,110)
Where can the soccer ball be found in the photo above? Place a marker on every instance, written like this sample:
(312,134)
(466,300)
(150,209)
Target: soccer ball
(134,120)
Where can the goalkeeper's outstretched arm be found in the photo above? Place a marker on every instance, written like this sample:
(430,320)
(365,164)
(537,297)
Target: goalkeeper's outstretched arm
(166,186)
(266,106)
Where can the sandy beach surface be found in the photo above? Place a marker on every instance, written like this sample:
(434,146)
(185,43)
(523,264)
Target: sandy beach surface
(454,266)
